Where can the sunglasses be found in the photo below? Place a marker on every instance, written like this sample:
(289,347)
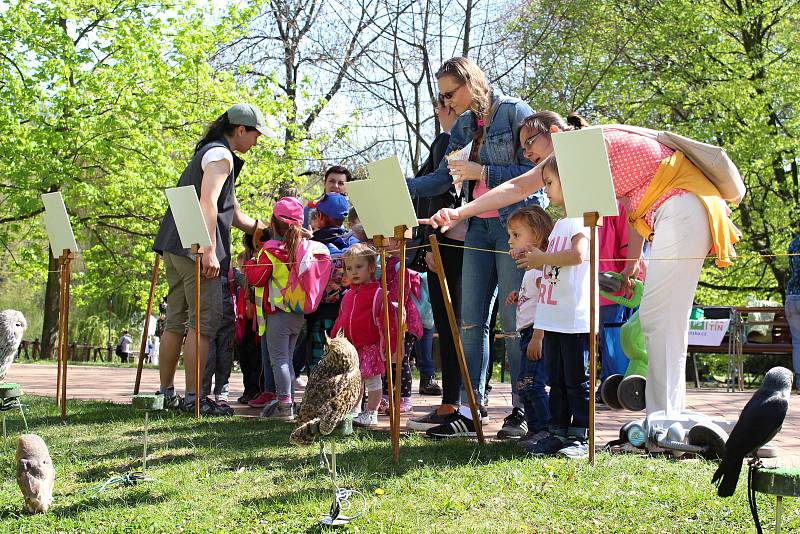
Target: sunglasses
(449,94)
(529,141)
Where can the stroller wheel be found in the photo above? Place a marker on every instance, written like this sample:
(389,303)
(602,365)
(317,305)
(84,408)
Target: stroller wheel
(631,393)
(609,392)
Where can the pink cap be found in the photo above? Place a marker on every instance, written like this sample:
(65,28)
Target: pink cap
(288,210)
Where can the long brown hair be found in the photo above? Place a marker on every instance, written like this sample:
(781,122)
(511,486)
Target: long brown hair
(291,234)
(537,220)
(467,72)
(221,125)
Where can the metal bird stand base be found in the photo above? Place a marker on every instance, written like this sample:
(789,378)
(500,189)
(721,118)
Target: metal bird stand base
(9,399)
(341,496)
(147,404)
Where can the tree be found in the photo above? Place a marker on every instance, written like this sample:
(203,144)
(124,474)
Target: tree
(105,100)
(724,72)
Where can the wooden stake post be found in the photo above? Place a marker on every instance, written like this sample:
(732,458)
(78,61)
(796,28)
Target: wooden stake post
(381,243)
(399,236)
(592,220)
(63,332)
(143,346)
(198,260)
(451,318)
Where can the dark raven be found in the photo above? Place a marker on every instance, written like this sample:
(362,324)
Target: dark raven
(759,422)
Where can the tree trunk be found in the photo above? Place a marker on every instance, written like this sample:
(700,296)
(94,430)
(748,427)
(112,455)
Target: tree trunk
(51,305)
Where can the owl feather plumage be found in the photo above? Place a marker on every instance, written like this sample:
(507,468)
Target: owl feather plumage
(332,390)
(12,327)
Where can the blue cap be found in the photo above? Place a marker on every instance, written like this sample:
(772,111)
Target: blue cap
(334,205)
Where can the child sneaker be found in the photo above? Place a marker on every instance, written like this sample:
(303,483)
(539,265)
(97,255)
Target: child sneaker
(429,420)
(262,399)
(279,411)
(405,405)
(383,407)
(366,419)
(533,436)
(575,449)
(456,426)
(429,386)
(514,425)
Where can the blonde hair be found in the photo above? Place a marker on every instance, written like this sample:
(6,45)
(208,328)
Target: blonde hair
(362,250)
(467,72)
(538,220)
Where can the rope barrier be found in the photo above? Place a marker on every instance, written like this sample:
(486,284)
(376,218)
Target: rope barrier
(742,257)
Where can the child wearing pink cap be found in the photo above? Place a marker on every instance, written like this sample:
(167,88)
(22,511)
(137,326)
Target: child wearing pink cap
(270,271)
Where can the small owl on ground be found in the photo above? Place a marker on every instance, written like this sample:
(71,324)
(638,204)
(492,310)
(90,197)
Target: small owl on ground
(35,473)
(12,326)
(332,390)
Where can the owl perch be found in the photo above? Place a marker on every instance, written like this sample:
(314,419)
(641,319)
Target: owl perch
(333,389)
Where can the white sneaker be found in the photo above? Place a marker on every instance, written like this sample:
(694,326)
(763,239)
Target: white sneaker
(366,419)
(300,382)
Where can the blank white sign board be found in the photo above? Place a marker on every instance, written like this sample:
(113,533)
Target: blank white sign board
(56,222)
(188,216)
(585,173)
(383,202)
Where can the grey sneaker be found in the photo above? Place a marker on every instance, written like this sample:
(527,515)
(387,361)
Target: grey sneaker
(173,402)
(281,411)
(575,449)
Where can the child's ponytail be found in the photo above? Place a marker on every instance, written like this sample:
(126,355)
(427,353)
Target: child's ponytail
(291,234)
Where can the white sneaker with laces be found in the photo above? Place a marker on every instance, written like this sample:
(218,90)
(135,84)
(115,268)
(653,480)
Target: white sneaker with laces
(366,419)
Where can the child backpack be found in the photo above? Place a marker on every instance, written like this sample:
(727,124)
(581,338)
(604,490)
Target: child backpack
(308,277)
(712,160)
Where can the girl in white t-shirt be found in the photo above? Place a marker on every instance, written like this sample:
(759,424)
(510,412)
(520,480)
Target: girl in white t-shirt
(563,313)
(529,228)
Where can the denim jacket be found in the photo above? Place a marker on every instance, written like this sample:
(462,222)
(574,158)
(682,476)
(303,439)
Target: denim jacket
(501,152)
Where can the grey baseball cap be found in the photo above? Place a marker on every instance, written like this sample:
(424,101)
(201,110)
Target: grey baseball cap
(247,115)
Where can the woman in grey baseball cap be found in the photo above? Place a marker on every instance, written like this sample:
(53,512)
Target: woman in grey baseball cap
(212,171)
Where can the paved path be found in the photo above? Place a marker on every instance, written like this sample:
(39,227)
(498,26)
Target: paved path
(116,385)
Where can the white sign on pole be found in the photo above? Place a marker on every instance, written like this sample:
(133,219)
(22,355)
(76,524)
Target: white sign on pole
(188,216)
(56,222)
(383,202)
(585,173)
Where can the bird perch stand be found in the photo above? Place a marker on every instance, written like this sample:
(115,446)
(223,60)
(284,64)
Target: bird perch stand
(147,404)
(781,482)
(9,399)
(146,329)
(63,331)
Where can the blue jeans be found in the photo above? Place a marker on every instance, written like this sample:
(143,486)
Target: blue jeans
(793,318)
(567,367)
(424,353)
(220,349)
(266,366)
(486,276)
(531,385)
(612,356)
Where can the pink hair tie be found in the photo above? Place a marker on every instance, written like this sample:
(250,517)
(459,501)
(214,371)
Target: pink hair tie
(481,123)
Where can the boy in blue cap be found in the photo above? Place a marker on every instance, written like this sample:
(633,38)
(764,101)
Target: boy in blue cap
(332,209)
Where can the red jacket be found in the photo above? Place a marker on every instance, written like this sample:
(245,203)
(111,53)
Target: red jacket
(357,314)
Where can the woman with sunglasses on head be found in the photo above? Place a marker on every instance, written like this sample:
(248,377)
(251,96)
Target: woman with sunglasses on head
(671,203)
(490,123)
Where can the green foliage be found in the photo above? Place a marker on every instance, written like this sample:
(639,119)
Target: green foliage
(722,72)
(104,101)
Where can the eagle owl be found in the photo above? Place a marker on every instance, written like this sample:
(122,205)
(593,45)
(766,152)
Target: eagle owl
(35,473)
(12,326)
(332,390)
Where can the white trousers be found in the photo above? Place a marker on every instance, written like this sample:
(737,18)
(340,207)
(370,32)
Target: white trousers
(681,231)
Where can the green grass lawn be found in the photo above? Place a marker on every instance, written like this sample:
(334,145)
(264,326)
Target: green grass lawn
(241,475)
